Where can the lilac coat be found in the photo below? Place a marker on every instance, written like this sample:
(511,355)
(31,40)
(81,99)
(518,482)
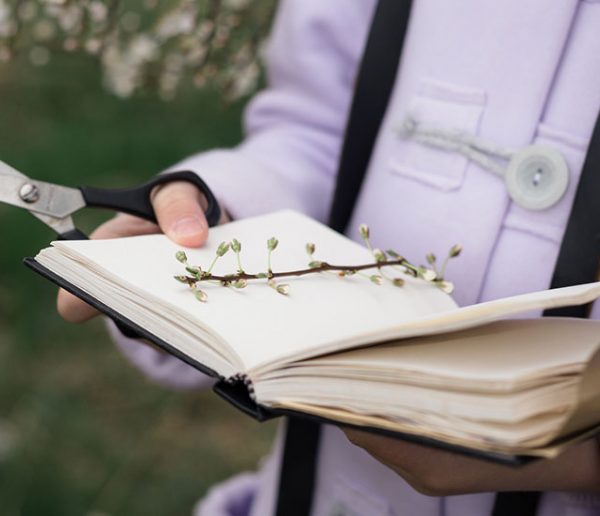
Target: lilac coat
(513,72)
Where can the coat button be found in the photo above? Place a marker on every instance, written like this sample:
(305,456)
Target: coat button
(537,177)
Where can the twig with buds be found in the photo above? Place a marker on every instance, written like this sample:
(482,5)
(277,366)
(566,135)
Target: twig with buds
(239,279)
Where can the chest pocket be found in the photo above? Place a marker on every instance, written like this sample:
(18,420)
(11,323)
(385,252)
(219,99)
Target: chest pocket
(445,106)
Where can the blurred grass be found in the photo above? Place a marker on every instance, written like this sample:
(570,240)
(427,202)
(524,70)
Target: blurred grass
(81,431)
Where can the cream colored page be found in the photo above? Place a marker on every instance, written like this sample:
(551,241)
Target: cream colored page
(322,312)
(519,444)
(483,313)
(500,356)
(259,324)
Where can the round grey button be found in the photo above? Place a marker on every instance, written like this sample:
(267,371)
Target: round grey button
(537,177)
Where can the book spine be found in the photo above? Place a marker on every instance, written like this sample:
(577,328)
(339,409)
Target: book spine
(239,391)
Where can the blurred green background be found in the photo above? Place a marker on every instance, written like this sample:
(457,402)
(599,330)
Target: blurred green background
(81,431)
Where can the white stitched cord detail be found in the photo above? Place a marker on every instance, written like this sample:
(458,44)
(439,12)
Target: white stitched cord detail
(536,176)
(470,146)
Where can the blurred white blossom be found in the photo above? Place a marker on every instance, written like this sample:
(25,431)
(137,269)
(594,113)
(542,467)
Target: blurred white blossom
(236,4)
(98,11)
(69,17)
(27,10)
(8,24)
(152,44)
(180,20)
(43,30)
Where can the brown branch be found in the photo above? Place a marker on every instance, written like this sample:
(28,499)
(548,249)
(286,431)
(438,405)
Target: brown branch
(347,269)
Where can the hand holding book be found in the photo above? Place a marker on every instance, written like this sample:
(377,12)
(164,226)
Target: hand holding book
(437,472)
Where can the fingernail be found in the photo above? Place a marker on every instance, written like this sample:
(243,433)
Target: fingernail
(187,226)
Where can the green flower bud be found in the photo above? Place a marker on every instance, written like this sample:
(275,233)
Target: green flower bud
(315,264)
(364,231)
(223,248)
(181,279)
(455,250)
(379,255)
(398,282)
(241,283)
(375,278)
(272,243)
(283,289)
(262,275)
(310,249)
(236,247)
(410,272)
(426,274)
(181,256)
(430,258)
(445,286)
(201,295)
(194,271)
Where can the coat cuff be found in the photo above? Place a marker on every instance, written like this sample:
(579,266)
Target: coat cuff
(158,366)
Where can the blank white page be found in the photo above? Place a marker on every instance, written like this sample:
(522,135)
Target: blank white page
(257,322)
(322,313)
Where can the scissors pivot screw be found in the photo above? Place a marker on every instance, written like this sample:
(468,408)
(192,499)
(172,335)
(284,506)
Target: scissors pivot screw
(29,193)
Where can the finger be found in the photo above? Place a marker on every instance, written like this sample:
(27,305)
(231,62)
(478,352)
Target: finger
(73,309)
(179,212)
(124,225)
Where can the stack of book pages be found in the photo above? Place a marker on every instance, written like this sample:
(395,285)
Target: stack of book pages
(403,360)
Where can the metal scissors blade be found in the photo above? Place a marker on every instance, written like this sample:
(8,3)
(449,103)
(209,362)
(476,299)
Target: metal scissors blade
(38,197)
(54,204)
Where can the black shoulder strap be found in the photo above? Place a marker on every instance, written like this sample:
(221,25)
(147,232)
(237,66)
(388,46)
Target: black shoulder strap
(579,254)
(375,80)
(374,83)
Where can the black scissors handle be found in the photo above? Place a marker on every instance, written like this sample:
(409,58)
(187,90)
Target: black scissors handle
(136,201)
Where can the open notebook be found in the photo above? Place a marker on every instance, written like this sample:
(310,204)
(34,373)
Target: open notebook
(405,360)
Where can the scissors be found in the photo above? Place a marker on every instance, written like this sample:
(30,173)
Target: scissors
(54,204)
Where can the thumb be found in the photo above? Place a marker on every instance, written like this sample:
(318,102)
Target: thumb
(178,208)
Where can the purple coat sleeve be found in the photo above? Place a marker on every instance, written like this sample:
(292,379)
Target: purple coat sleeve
(294,129)
(157,366)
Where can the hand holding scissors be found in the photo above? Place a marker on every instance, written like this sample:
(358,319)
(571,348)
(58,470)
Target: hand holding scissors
(175,201)
(54,204)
